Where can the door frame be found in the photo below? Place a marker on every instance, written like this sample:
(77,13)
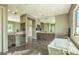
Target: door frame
(4,28)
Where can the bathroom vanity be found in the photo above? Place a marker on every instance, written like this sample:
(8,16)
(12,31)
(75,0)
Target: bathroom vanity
(20,38)
(17,39)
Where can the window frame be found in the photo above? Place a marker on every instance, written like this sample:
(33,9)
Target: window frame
(76,21)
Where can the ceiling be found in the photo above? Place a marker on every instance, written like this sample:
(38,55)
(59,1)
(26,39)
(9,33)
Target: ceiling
(40,11)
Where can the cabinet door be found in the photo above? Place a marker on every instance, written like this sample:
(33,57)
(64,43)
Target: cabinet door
(11,40)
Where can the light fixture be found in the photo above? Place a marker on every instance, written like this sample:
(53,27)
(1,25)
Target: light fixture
(16,10)
(8,9)
(13,12)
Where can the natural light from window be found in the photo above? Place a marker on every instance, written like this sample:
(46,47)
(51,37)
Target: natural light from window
(10,27)
(77,28)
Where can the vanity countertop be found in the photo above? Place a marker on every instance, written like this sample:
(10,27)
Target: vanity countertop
(43,32)
(21,32)
(17,33)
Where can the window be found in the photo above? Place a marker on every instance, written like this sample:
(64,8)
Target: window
(77,22)
(10,27)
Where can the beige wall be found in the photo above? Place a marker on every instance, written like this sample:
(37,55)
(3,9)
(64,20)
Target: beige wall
(61,26)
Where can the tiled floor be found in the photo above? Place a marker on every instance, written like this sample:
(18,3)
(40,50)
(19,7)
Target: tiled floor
(37,47)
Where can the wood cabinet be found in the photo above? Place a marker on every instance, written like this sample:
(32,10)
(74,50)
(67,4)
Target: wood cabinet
(11,40)
(23,23)
(22,26)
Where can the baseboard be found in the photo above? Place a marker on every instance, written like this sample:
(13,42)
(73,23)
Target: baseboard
(3,53)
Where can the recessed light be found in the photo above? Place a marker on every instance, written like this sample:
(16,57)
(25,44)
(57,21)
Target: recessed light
(16,10)
(8,10)
(13,12)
